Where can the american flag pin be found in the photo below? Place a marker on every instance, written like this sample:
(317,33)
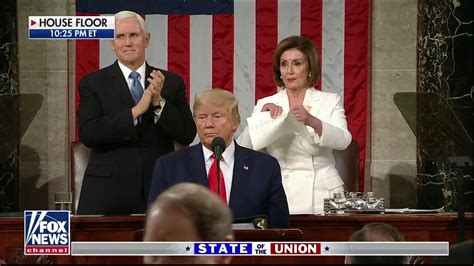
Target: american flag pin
(246,167)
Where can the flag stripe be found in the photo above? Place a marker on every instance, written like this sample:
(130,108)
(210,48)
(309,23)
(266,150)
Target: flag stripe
(333,46)
(210,7)
(244,58)
(157,52)
(201,55)
(311,24)
(289,18)
(223,52)
(266,41)
(356,74)
(87,60)
(178,47)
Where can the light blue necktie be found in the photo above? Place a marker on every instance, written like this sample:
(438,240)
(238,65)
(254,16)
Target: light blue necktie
(136,88)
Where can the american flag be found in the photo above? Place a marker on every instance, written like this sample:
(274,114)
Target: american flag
(229,44)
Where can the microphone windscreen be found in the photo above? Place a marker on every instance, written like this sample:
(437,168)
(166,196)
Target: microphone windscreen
(218,142)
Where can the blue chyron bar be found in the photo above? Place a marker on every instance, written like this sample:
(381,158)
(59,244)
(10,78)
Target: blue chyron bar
(71,27)
(71,34)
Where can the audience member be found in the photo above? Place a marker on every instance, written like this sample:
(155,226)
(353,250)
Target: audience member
(460,253)
(188,212)
(377,232)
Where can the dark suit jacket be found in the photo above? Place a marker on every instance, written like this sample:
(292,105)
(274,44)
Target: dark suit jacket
(256,185)
(118,176)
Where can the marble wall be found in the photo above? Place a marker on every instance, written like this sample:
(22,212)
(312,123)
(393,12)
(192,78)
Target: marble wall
(9,168)
(445,67)
(43,64)
(393,145)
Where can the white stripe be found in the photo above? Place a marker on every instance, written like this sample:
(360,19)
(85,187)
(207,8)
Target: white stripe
(200,75)
(106,54)
(289,18)
(157,51)
(333,46)
(201,55)
(244,58)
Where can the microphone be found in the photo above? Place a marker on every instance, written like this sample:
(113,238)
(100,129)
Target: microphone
(218,147)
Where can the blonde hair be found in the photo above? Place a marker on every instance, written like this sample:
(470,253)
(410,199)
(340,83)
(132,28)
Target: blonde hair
(218,97)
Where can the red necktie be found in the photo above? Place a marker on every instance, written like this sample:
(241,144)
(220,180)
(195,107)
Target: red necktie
(213,180)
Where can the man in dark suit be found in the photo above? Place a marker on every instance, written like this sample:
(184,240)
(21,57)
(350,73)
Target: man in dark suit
(251,182)
(129,114)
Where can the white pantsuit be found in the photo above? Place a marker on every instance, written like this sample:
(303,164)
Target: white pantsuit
(306,159)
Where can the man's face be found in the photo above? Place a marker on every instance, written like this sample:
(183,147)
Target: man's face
(172,225)
(214,121)
(130,42)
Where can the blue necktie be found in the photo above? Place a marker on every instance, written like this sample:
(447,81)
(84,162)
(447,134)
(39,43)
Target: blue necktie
(136,88)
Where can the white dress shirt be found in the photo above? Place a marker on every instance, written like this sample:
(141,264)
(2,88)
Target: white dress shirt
(226,165)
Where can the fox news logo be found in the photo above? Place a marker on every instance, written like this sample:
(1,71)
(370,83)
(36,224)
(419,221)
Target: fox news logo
(47,233)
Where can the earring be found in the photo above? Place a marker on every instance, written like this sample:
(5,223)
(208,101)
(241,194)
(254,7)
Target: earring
(281,77)
(309,75)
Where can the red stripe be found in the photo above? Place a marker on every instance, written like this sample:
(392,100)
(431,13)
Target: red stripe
(179,47)
(266,30)
(356,54)
(312,25)
(87,61)
(223,52)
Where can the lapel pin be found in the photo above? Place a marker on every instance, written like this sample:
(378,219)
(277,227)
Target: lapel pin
(246,167)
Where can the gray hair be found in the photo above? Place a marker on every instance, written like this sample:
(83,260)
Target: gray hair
(210,216)
(130,14)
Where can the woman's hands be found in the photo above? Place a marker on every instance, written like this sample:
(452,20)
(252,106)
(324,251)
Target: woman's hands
(301,114)
(275,110)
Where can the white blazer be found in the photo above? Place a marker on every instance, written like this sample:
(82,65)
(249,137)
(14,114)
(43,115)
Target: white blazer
(306,159)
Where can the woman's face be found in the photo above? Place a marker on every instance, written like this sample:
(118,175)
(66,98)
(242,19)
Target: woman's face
(294,69)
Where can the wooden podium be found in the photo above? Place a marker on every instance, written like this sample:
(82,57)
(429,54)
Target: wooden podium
(428,227)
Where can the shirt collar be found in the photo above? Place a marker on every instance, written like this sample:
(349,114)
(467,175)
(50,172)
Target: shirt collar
(228,154)
(126,71)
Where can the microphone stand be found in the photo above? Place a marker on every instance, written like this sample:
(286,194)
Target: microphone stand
(218,171)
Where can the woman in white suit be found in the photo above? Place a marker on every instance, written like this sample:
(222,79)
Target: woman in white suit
(300,126)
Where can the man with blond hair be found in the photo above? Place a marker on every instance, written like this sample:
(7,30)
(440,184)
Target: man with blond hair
(250,182)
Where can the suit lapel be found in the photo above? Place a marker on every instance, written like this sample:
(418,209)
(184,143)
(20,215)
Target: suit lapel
(196,166)
(148,70)
(312,101)
(240,179)
(120,86)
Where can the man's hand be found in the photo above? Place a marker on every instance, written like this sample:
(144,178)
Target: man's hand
(156,79)
(144,103)
(275,110)
(152,94)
